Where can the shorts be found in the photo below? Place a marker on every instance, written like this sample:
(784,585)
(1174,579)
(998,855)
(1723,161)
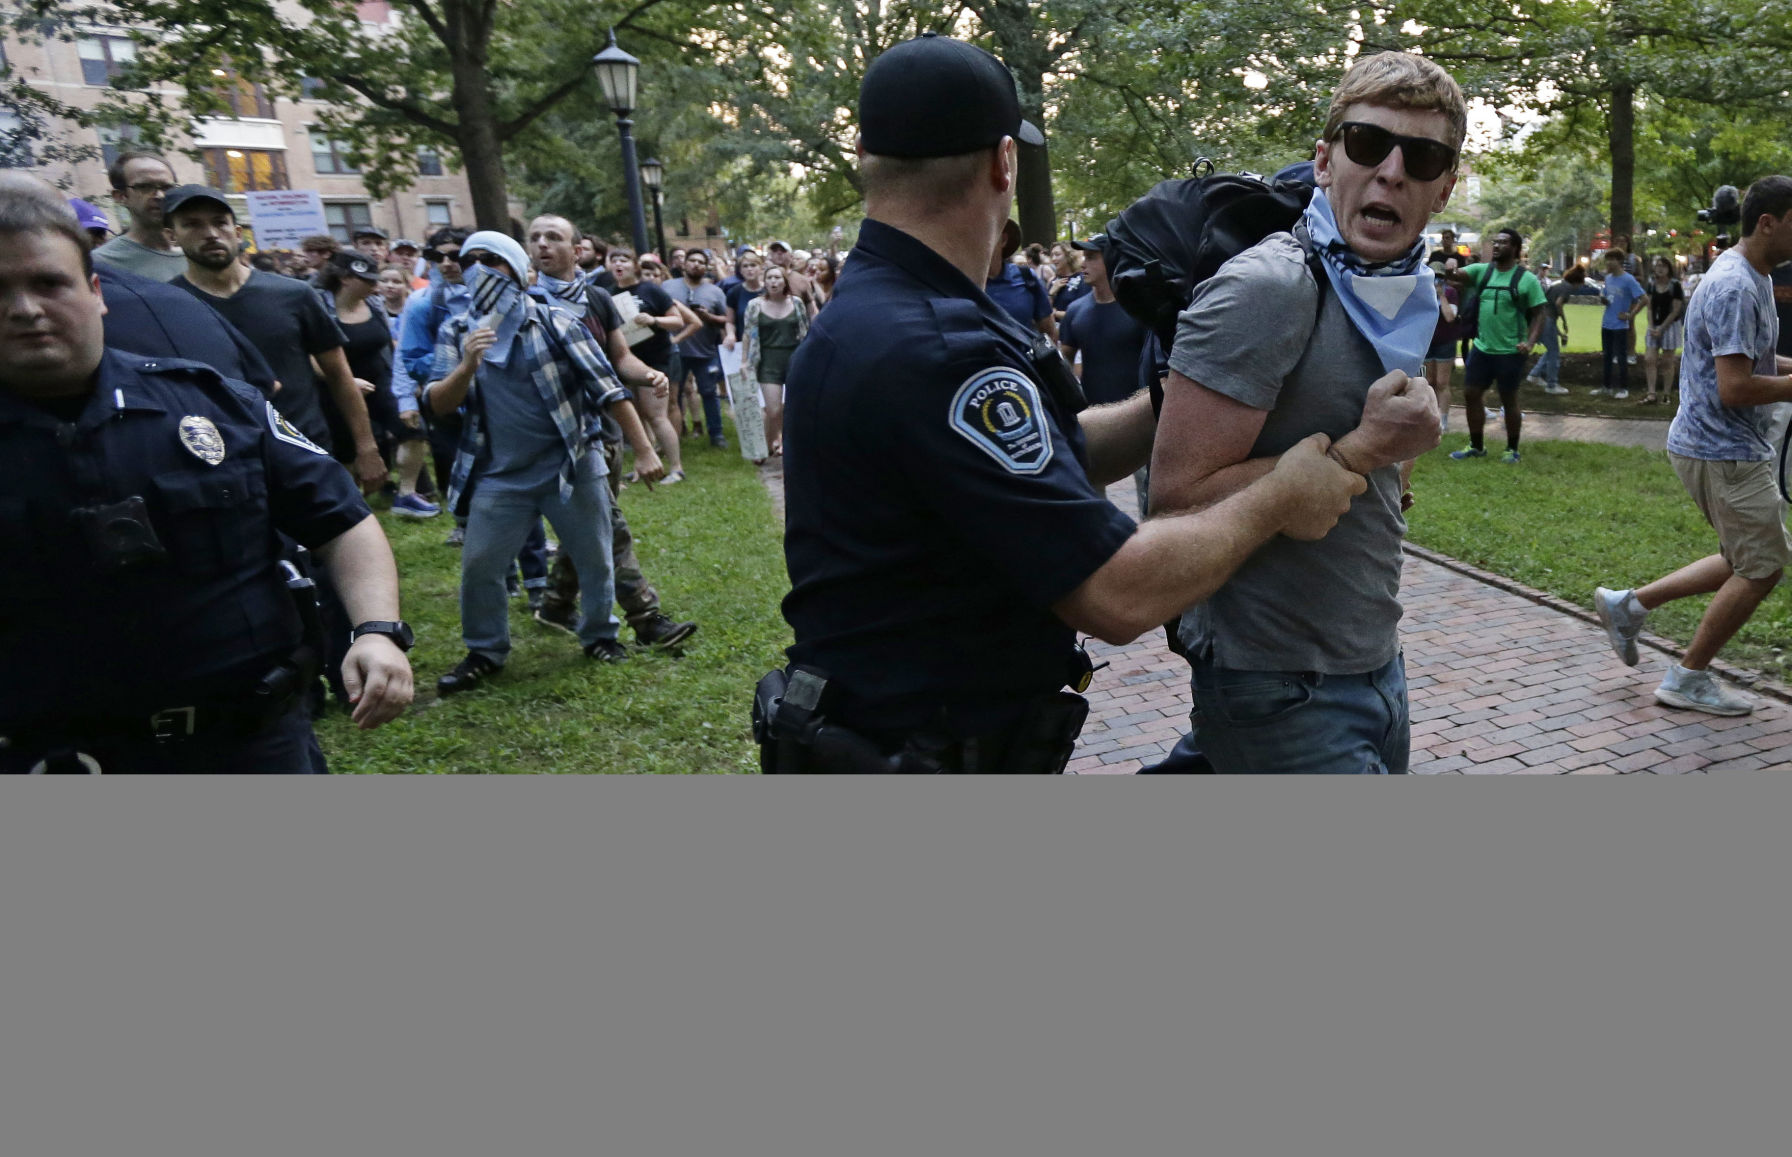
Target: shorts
(1667,342)
(1503,370)
(1442,350)
(1741,501)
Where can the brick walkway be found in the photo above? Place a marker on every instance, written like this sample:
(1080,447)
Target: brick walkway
(1651,435)
(1501,681)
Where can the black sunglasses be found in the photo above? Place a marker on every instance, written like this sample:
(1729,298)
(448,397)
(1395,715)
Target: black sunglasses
(491,260)
(436,256)
(1369,145)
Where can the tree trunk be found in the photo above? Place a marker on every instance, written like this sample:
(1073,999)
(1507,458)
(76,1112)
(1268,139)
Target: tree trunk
(480,150)
(1623,147)
(1016,27)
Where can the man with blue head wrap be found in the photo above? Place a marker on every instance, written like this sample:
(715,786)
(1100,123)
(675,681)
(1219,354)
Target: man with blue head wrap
(533,382)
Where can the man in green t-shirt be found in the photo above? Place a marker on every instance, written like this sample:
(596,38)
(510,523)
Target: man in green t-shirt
(1512,310)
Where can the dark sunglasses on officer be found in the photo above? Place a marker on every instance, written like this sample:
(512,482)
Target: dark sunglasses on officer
(1369,145)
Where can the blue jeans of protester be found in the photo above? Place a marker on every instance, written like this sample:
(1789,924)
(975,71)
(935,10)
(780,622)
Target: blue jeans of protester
(499,519)
(532,560)
(1303,723)
(1614,345)
(1548,369)
(709,380)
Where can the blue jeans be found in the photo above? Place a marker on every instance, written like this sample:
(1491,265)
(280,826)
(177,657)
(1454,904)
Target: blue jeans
(1614,345)
(709,380)
(1287,722)
(499,520)
(1549,367)
(532,560)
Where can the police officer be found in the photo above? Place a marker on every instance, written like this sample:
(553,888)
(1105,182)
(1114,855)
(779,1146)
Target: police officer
(946,534)
(146,623)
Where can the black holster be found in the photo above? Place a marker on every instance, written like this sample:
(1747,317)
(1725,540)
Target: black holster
(795,737)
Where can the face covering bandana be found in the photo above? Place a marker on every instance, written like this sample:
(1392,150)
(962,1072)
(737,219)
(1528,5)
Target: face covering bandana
(1393,304)
(499,305)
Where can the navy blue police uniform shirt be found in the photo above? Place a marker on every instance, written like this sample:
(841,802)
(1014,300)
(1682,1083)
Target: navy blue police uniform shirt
(936,507)
(153,318)
(81,639)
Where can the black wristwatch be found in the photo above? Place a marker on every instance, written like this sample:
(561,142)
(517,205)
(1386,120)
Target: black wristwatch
(399,633)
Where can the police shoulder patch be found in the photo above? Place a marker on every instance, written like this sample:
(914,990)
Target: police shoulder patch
(998,412)
(290,434)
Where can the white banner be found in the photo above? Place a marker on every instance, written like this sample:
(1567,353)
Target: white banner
(283,218)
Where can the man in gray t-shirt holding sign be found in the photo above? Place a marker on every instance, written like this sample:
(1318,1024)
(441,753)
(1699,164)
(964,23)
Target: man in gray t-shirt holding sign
(1730,379)
(698,352)
(1296,659)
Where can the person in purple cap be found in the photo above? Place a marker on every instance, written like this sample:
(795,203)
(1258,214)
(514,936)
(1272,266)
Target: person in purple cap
(99,230)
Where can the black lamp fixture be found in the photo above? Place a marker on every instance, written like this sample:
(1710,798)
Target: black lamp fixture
(618,74)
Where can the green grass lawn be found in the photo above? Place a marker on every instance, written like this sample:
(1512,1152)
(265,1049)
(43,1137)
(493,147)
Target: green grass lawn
(1574,516)
(711,546)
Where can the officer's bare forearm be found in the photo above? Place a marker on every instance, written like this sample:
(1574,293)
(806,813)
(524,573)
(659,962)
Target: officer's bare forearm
(1118,437)
(360,565)
(349,402)
(1171,563)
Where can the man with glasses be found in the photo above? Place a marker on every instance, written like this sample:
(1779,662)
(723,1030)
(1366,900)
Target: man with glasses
(139,182)
(1296,659)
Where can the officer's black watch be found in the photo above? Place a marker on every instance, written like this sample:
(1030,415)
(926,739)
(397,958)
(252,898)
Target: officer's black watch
(399,633)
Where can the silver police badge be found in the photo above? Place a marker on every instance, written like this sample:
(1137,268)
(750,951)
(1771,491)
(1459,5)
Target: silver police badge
(202,440)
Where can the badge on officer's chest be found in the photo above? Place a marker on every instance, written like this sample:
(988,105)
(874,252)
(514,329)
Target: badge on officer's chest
(202,440)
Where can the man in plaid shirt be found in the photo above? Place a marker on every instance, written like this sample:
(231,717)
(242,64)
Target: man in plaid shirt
(530,381)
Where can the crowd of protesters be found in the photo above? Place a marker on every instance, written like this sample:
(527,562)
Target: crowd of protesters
(498,383)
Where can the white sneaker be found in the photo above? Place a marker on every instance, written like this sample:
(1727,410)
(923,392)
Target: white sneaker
(1495,412)
(1620,395)
(1597,392)
(1698,691)
(1555,389)
(1622,623)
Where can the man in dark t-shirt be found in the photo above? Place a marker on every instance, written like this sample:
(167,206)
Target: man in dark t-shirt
(1108,338)
(282,317)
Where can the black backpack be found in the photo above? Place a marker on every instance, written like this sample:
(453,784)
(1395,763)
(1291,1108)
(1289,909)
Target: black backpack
(1165,244)
(1468,314)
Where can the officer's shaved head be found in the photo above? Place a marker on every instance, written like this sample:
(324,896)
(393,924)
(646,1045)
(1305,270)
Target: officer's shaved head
(28,205)
(52,333)
(929,185)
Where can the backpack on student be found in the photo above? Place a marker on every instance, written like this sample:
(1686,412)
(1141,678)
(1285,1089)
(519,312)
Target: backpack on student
(1165,244)
(1468,314)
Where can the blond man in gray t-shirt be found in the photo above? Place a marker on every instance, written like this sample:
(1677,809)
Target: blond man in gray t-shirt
(1296,663)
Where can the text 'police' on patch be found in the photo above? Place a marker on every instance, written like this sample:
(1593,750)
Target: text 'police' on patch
(998,411)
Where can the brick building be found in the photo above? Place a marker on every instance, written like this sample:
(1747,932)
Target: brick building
(268,143)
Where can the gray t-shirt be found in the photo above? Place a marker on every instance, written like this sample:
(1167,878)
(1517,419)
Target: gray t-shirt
(1731,312)
(1331,606)
(702,345)
(156,264)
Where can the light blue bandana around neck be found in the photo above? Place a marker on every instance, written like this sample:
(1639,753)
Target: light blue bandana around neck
(1393,304)
(498,304)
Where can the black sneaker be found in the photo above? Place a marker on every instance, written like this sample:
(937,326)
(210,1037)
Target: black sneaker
(607,651)
(661,631)
(467,674)
(559,615)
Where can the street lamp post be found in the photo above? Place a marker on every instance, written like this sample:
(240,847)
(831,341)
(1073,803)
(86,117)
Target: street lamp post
(617,73)
(653,175)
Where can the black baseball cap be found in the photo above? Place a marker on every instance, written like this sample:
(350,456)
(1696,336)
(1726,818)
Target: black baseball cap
(181,195)
(368,231)
(1091,244)
(355,265)
(934,96)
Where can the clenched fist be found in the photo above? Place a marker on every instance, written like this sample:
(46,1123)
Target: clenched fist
(1399,423)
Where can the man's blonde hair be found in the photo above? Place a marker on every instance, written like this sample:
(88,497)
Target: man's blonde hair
(1400,80)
